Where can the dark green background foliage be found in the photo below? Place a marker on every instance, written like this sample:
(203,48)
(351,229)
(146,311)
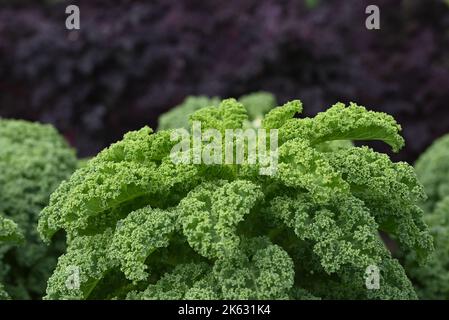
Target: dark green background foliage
(9,233)
(34,159)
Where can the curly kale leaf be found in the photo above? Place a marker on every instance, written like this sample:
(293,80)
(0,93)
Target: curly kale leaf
(278,116)
(392,192)
(137,236)
(210,214)
(178,284)
(260,270)
(345,123)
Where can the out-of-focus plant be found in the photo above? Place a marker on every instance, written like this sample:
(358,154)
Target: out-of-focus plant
(433,172)
(9,233)
(432,168)
(34,159)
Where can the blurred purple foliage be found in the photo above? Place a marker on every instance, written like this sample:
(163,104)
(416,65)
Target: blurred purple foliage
(133,60)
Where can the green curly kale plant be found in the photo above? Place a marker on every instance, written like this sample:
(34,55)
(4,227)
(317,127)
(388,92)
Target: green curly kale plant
(141,227)
(34,159)
(432,168)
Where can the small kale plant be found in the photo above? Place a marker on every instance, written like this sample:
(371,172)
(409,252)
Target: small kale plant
(142,227)
(34,159)
(432,280)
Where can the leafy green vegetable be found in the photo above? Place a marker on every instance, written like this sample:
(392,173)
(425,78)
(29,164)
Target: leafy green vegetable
(432,168)
(34,159)
(432,280)
(140,227)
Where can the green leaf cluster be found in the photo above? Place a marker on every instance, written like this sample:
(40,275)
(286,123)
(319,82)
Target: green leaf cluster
(34,159)
(140,227)
(432,280)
